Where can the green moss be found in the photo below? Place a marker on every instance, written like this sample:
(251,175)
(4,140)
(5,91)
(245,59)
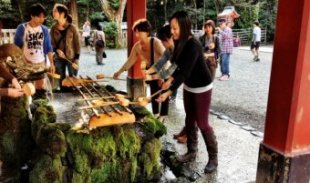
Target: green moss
(154,126)
(51,140)
(128,142)
(140,112)
(81,163)
(133,172)
(108,154)
(80,141)
(42,115)
(150,157)
(47,169)
(8,150)
(109,172)
(7,143)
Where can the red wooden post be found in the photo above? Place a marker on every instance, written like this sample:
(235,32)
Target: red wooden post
(285,151)
(136,9)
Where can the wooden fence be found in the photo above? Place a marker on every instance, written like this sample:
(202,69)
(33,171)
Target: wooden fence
(7,36)
(245,35)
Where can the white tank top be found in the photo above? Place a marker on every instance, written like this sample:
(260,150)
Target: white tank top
(33,44)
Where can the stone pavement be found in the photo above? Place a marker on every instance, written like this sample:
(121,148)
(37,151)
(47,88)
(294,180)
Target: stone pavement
(238,147)
(267,49)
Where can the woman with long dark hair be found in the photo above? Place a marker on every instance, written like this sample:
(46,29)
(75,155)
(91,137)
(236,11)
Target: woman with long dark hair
(193,72)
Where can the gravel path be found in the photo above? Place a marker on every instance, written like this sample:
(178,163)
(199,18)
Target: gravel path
(244,96)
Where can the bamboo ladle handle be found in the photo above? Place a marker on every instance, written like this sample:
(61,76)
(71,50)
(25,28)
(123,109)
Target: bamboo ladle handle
(101,105)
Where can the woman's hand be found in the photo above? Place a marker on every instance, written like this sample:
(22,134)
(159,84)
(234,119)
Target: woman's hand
(16,84)
(211,46)
(164,96)
(116,75)
(52,68)
(60,53)
(167,84)
(206,56)
(147,77)
(13,92)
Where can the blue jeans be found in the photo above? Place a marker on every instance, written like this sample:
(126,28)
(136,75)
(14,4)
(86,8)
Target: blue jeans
(225,63)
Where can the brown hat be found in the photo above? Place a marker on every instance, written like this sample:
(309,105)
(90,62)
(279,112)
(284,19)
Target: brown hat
(210,22)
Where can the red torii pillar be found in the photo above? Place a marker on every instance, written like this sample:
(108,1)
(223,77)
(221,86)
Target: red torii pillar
(136,9)
(285,151)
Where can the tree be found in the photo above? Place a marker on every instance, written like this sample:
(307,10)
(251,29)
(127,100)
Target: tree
(114,11)
(73,10)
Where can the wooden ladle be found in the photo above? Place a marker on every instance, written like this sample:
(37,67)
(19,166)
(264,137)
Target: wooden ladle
(143,101)
(102,76)
(54,75)
(29,89)
(74,65)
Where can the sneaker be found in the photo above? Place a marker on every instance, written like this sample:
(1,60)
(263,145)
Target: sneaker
(257,59)
(224,78)
(254,59)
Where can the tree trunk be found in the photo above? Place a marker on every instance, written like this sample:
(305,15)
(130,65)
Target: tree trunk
(21,7)
(73,10)
(218,5)
(115,16)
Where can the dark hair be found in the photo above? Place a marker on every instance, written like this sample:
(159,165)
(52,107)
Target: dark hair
(63,9)
(256,23)
(69,19)
(164,33)
(99,27)
(184,22)
(36,9)
(185,25)
(210,23)
(142,25)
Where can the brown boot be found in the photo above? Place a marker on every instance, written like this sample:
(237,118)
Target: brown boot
(211,144)
(192,146)
(181,133)
(182,139)
(189,156)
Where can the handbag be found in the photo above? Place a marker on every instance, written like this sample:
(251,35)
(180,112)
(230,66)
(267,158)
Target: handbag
(99,43)
(104,55)
(211,61)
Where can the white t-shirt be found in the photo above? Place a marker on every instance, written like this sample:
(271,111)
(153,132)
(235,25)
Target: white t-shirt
(33,44)
(257,34)
(86,31)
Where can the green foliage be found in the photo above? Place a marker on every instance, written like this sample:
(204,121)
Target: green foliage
(110,31)
(5,5)
(114,4)
(97,17)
